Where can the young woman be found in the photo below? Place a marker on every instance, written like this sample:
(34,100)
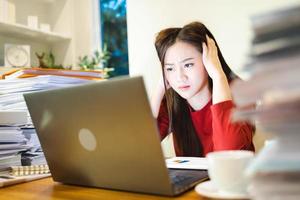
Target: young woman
(193,100)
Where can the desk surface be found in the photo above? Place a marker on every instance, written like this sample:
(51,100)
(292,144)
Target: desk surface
(47,189)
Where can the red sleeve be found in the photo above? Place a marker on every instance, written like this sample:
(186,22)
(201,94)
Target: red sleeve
(226,134)
(163,120)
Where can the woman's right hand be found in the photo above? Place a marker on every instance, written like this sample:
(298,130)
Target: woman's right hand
(157,96)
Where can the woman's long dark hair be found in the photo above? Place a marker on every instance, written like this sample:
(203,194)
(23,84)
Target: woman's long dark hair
(178,109)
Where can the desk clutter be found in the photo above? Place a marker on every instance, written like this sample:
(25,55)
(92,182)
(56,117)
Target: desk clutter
(20,150)
(274,85)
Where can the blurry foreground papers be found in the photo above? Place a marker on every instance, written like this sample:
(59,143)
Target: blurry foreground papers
(19,144)
(274,86)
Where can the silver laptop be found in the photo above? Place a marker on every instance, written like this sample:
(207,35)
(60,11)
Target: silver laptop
(103,134)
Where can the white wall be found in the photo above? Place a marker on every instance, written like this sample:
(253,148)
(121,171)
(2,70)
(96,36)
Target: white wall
(86,34)
(228,20)
(76,17)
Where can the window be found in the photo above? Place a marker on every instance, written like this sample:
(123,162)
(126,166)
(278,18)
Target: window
(114,34)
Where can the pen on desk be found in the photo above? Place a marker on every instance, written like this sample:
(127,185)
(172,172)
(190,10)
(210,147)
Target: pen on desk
(181,161)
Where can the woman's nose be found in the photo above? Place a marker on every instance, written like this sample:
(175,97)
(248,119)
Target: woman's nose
(181,76)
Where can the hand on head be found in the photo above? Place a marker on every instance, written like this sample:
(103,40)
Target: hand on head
(211,60)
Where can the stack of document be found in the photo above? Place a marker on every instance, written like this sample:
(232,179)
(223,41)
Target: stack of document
(274,87)
(6,161)
(17,134)
(12,140)
(34,156)
(12,90)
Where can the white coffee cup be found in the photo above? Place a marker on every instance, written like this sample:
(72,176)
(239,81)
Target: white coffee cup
(226,170)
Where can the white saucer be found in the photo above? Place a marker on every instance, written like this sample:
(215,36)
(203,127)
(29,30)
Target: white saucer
(207,189)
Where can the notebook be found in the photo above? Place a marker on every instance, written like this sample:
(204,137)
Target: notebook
(28,170)
(103,135)
(12,180)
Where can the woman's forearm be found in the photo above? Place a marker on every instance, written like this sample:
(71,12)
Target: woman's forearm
(156,100)
(221,90)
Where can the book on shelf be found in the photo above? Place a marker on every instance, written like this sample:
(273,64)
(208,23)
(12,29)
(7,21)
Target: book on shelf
(31,72)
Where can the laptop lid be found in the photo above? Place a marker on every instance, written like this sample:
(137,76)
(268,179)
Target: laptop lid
(101,134)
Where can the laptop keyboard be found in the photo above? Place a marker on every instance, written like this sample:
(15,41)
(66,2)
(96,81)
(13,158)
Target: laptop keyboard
(180,179)
(185,179)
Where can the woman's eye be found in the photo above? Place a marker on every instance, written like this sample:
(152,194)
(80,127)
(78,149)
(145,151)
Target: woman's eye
(187,65)
(169,69)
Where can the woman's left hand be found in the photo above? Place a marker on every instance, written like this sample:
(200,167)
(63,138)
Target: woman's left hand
(211,60)
(221,90)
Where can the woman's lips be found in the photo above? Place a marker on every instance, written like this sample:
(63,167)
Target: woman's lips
(184,87)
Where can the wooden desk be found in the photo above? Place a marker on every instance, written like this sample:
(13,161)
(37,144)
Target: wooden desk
(47,189)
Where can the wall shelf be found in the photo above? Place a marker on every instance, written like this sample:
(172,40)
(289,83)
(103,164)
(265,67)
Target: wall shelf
(62,39)
(45,1)
(25,32)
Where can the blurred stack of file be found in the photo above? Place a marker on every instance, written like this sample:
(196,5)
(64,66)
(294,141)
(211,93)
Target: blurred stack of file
(274,86)
(274,61)
(275,171)
(22,137)
(276,39)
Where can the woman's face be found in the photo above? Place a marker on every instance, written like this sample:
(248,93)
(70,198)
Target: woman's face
(184,69)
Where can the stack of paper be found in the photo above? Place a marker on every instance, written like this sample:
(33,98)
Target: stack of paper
(34,156)
(274,87)
(12,140)
(12,90)
(17,134)
(8,161)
